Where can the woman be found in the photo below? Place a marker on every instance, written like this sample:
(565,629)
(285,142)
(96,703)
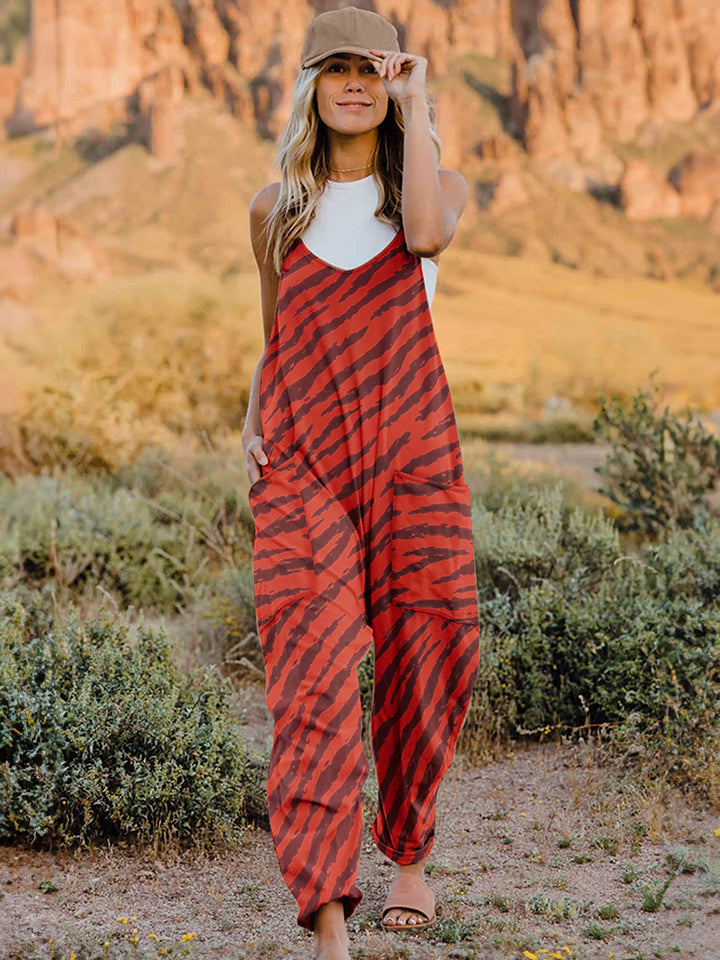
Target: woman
(362,514)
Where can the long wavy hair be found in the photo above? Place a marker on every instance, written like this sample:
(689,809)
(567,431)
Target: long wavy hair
(303,159)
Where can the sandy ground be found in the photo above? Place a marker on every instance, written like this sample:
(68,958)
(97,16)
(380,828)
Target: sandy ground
(531,852)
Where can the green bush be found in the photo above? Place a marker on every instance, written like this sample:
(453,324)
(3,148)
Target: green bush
(661,466)
(538,538)
(102,737)
(574,633)
(150,540)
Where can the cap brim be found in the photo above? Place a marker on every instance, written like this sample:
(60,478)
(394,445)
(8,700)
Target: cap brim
(362,51)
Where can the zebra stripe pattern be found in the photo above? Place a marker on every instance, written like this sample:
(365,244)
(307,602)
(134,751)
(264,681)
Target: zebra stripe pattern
(363,535)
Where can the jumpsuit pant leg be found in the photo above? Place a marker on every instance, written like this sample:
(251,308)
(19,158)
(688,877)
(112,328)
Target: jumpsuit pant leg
(426,626)
(424,676)
(326,587)
(310,607)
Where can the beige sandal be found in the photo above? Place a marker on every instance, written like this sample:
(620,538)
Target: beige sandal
(409,892)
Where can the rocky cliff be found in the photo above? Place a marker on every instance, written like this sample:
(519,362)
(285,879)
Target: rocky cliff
(87,63)
(584,71)
(594,70)
(584,76)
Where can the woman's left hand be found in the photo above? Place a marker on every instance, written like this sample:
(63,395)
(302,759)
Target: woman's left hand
(403,73)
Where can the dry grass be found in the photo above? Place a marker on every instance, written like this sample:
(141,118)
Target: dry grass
(145,359)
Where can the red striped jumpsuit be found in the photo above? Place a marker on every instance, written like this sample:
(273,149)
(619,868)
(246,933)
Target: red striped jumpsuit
(363,535)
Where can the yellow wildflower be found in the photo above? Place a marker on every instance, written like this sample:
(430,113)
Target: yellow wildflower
(530,956)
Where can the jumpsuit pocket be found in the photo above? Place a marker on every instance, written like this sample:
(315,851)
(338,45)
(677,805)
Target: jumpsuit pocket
(283,566)
(432,552)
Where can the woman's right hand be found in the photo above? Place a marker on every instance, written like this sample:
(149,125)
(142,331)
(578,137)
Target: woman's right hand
(254,455)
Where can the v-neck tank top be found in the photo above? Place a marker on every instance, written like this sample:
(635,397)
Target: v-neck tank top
(345,233)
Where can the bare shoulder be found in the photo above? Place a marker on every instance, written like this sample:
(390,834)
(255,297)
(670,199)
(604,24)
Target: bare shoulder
(455,191)
(264,199)
(260,206)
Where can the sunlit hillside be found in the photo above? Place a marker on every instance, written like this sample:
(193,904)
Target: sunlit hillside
(162,342)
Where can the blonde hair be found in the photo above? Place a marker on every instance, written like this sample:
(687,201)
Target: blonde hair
(304,163)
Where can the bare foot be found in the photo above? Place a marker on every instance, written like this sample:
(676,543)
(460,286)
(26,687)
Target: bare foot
(397,917)
(330,936)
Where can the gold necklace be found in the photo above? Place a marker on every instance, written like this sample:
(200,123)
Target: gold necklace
(348,169)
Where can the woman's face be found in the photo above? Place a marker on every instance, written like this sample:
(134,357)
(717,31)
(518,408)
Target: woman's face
(348,78)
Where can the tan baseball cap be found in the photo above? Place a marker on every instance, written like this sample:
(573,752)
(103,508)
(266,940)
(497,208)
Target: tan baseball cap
(348,30)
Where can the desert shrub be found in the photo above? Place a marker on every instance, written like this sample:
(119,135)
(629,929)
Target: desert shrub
(538,538)
(661,466)
(102,737)
(572,657)
(685,562)
(229,604)
(571,640)
(558,430)
(152,550)
(225,615)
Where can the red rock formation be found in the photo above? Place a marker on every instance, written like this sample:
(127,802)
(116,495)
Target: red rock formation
(163,133)
(585,72)
(16,273)
(59,242)
(691,189)
(646,195)
(86,59)
(499,146)
(10,80)
(502,193)
(635,60)
(697,180)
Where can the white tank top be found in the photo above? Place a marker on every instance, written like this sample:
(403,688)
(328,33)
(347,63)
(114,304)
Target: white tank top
(344,232)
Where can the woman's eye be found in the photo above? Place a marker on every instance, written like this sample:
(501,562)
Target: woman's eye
(367,67)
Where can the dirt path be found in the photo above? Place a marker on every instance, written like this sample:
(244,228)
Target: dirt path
(579,459)
(531,853)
